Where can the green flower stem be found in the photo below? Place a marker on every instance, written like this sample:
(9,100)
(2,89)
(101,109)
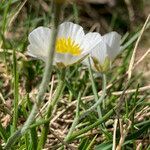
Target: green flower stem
(76,120)
(85,130)
(51,106)
(15,82)
(95,91)
(98,102)
(45,80)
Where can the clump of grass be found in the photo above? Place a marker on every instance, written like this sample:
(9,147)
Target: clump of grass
(75,123)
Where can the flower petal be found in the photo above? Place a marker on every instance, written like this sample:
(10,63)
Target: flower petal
(90,41)
(67,59)
(100,52)
(39,42)
(74,31)
(113,41)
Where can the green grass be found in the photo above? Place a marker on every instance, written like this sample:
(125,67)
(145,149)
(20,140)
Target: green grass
(20,77)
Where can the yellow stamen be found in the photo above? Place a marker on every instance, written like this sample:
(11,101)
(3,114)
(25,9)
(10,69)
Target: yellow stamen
(67,45)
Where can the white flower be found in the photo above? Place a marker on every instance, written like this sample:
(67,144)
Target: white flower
(72,44)
(105,52)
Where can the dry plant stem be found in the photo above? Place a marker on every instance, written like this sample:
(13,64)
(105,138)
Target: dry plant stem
(142,58)
(114,134)
(141,89)
(43,85)
(135,48)
(50,109)
(123,131)
(139,146)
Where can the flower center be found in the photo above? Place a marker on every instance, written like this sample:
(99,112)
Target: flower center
(67,45)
